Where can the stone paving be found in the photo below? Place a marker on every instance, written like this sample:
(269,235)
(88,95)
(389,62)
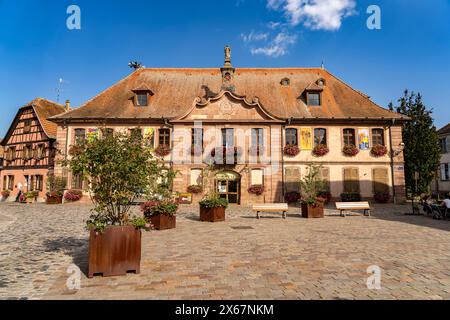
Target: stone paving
(241,258)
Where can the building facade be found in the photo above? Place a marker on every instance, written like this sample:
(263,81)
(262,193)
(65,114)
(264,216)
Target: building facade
(261,127)
(442,183)
(29,148)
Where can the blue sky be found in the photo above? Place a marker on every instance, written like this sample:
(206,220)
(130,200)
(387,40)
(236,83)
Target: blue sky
(412,50)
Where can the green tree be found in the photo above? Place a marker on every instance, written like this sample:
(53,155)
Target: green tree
(311,185)
(422,151)
(119,170)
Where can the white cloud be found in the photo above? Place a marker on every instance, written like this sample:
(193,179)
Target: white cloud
(277,47)
(315,14)
(254,36)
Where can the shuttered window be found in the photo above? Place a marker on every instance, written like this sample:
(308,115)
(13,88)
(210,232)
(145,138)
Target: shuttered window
(380,180)
(257,177)
(196,177)
(351,180)
(325,176)
(292,179)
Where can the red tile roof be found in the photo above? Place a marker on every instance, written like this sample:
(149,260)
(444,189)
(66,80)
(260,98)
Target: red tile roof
(445,130)
(44,109)
(176,89)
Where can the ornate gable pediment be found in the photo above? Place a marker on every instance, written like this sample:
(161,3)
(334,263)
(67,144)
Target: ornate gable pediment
(226,106)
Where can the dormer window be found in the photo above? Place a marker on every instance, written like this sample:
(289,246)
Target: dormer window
(142,95)
(313,99)
(142,99)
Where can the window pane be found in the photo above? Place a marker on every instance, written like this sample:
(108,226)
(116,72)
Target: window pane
(164,137)
(349,137)
(291,137)
(228,137)
(320,137)
(197,138)
(80,135)
(142,99)
(313,99)
(378,137)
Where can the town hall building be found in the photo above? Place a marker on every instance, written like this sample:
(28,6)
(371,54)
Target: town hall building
(266,124)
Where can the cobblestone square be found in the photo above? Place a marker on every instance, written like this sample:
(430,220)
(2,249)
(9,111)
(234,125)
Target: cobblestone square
(241,258)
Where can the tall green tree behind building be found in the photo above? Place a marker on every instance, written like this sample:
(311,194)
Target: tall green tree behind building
(422,150)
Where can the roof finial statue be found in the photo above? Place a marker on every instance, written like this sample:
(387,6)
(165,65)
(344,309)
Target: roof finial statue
(227,56)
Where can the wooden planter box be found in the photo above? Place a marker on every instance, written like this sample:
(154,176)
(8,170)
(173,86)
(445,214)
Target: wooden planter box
(54,200)
(212,214)
(164,221)
(114,252)
(311,211)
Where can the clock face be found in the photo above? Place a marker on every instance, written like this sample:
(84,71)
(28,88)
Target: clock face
(227,76)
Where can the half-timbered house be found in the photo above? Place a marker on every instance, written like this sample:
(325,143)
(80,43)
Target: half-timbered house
(29,148)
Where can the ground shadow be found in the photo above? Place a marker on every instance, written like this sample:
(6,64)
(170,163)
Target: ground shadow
(76,248)
(419,220)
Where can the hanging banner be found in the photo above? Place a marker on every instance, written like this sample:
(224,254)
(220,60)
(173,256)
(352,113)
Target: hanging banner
(92,134)
(306,138)
(149,137)
(363,139)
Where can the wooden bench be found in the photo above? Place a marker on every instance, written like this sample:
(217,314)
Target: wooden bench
(349,206)
(271,208)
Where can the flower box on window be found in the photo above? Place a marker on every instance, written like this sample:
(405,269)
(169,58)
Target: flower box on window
(291,150)
(195,189)
(350,150)
(379,150)
(256,189)
(162,150)
(320,150)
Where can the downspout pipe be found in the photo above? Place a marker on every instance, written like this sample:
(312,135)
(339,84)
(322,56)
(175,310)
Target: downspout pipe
(392,161)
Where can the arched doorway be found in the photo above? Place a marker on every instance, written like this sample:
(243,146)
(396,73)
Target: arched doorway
(228,185)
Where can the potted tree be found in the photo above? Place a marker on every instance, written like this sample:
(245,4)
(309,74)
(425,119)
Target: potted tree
(212,206)
(118,171)
(311,186)
(55,189)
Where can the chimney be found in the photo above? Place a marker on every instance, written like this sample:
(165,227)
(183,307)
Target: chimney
(67,105)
